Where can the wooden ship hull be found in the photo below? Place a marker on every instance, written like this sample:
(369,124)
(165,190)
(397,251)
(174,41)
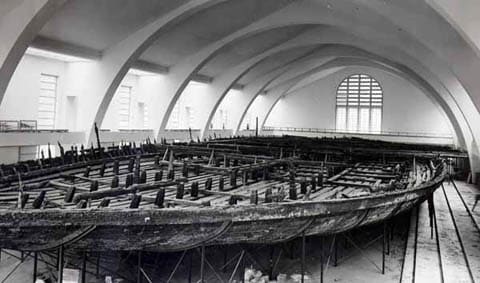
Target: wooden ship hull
(150,214)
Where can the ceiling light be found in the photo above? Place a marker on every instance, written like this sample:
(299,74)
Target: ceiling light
(54,55)
(138,72)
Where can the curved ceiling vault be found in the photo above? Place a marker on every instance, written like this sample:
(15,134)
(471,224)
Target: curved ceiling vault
(256,43)
(337,65)
(341,55)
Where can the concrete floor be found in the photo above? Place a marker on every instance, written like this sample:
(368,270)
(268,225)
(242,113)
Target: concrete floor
(451,255)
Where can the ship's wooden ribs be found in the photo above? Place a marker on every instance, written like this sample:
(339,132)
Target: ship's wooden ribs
(361,179)
(79,167)
(351,184)
(205,151)
(66,187)
(224,170)
(329,180)
(371,175)
(153,200)
(124,191)
(88,179)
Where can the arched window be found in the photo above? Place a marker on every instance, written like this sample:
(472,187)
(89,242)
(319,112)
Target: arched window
(359,104)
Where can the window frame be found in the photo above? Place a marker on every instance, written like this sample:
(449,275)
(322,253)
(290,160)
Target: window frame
(44,79)
(375,97)
(121,113)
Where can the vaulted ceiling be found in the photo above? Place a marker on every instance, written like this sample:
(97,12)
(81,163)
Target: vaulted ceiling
(252,41)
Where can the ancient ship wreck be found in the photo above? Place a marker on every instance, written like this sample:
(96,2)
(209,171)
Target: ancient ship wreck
(170,197)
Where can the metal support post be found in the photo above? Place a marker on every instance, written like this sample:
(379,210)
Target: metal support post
(321,259)
(202,265)
(97,267)
(384,243)
(60,264)
(84,267)
(139,267)
(270,263)
(335,251)
(190,265)
(35,266)
(303,258)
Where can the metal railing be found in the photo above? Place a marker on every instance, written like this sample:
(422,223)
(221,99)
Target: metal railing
(182,130)
(18,125)
(135,130)
(24,126)
(380,133)
(127,130)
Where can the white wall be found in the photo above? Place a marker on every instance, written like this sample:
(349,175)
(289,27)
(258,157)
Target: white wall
(229,105)
(111,120)
(194,96)
(73,85)
(21,98)
(405,107)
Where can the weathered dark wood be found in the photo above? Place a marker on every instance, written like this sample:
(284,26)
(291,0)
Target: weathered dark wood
(122,191)
(133,217)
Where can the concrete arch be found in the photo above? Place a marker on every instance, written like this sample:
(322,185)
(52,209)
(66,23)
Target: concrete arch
(340,51)
(289,16)
(18,27)
(344,63)
(106,74)
(221,86)
(294,70)
(294,14)
(422,55)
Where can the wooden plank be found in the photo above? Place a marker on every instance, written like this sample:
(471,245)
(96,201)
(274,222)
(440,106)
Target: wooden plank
(468,193)
(408,267)
(469,234)
(453,261)
(427,267)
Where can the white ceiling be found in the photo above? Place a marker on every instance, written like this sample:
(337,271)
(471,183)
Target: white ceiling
(8,5)
(279,60)
(240,51)
(206,27)
(98,24)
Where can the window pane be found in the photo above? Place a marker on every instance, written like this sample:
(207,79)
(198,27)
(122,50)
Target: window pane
(352,119)
(341,119)
(357,96)
(376,123)
(364,119)
(47,102)
(123,99)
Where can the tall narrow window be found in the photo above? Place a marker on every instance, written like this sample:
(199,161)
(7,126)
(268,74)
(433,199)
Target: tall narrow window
(190,116)
(174,121)
(145,116)
(359,105)
(247,121)
(124,96)
(47,101)
(221,117)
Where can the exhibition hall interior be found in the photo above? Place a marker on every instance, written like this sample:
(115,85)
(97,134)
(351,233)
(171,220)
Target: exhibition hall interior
(239,141)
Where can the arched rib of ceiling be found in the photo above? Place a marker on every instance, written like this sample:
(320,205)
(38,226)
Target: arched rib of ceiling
(424,42)
(222,84)
(350,54)
(289,16)
(20,21)
(294,70)
(117,60)
(341,63)
(305,12)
